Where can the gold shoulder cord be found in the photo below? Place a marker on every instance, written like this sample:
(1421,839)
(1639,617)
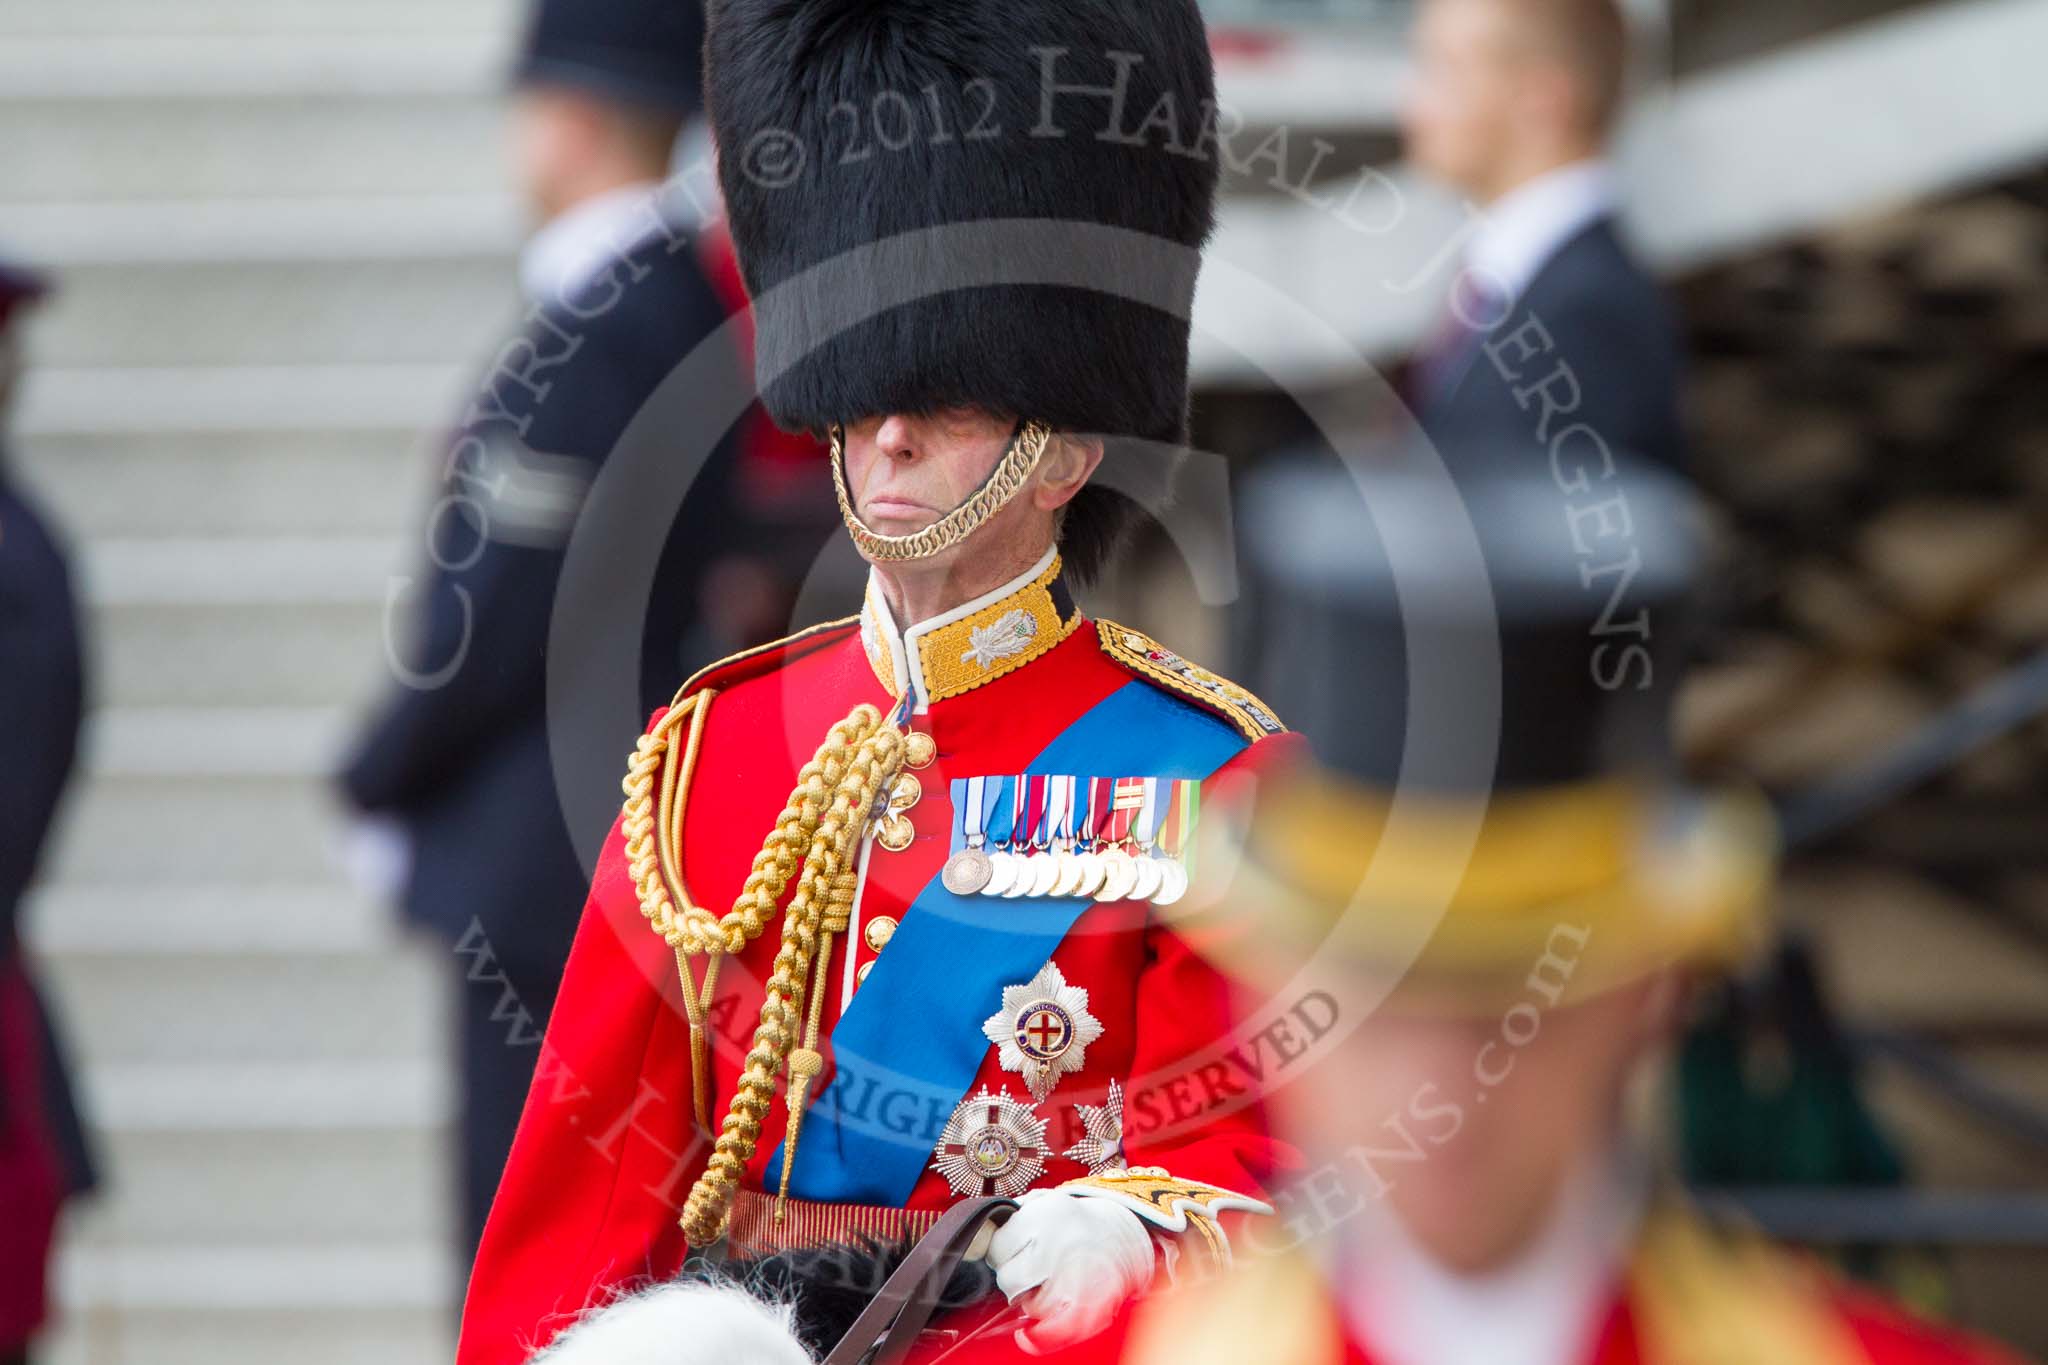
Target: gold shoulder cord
(813,843)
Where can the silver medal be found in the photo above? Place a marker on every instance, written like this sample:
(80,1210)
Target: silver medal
(1145,877)
(1119,875)
(1091,874)
(1021,875)
(967,871)
(1173,882)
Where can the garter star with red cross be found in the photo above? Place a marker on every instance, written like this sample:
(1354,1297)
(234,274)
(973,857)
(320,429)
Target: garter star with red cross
(1043,1030)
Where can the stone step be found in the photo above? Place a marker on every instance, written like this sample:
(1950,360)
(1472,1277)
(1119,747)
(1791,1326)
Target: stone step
(246,623)
(252,398)
(276,654)
(133,67)
(303,1188)
(389,1301)
(288,484)
(310,18)
(269,1096)
(124,832)
(278,313)
(214,147)
(420,227)
(171,572)
(229,1010)
(202,743)
(383,1335)
(181,921)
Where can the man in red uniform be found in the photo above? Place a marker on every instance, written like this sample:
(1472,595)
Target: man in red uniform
(885,920)
(1516,925)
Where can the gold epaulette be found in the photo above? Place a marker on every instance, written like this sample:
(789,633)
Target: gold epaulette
(1141,654)
(1708,1295)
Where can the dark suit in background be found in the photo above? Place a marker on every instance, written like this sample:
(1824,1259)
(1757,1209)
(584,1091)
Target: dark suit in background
(463,761)
(1591,333)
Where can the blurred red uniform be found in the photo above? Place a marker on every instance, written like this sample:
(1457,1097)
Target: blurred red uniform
(1694,1297)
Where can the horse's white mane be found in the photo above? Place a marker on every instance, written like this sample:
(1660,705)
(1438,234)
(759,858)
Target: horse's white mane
(682,1324)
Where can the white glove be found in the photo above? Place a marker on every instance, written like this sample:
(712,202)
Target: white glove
(1069,1262)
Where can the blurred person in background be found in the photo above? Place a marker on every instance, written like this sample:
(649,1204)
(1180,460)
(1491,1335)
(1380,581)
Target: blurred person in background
(456,764)
(1510,936)
(43,1155)
(1551,323)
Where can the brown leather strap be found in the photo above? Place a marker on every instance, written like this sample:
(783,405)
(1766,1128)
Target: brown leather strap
(909,1297)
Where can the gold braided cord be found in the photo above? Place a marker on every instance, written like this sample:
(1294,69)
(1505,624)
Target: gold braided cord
(811,846)
(1003,483)
(806,1062)
(653,829)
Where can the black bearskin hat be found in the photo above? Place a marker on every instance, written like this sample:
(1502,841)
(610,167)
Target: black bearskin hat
(1077,133)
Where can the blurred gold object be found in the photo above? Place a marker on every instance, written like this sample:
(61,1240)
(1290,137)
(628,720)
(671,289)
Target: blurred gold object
(1459,897)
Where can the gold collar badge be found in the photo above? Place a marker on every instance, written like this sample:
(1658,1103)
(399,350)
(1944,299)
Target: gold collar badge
(984,641)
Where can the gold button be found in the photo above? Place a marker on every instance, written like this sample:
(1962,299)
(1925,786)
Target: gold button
(860,978)
(919,749)
(896,833)
(907,792)
(879,931)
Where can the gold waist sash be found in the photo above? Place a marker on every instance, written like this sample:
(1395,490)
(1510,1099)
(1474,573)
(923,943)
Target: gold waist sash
(751,1229)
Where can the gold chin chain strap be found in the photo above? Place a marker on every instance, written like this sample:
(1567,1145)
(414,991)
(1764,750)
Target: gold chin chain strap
(814,844)
(1003,483)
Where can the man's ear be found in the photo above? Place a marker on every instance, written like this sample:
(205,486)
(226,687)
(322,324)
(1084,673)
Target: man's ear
(1065,468)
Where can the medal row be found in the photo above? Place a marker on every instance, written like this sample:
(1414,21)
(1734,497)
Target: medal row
(1106,839)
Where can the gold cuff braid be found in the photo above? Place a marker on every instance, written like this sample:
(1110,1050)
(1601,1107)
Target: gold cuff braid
(1171,1203)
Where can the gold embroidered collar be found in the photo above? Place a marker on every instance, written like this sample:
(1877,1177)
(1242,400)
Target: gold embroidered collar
(976,642)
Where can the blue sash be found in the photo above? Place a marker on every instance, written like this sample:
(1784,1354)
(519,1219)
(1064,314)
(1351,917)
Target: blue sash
(910,1044)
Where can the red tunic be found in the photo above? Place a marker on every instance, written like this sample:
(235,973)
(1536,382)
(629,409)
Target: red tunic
(607,1150)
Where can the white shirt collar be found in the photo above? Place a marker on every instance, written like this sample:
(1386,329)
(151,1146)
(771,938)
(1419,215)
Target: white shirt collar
(579,244)
(1543,1309)
(1519,232)
(880,634)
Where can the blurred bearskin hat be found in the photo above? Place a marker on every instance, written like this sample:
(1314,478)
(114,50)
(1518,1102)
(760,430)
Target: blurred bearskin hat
(844,123)
(641,52)
(1485,670)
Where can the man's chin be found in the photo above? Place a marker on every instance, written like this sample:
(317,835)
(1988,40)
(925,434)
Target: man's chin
(897,521)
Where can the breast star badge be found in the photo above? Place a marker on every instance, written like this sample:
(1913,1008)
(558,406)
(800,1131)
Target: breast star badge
(1043,1030)
(993,1145)
(1103,1148)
